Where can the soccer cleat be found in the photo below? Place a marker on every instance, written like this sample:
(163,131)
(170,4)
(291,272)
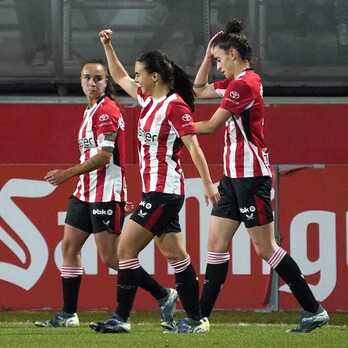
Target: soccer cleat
(61,319)
(113,325)
(188,325)
(167,309)
(310,321)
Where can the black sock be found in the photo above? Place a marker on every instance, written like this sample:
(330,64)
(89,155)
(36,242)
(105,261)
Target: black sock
(215,276)
(291,274)
(71,288)
(128,280)
(188,290)
(149,284)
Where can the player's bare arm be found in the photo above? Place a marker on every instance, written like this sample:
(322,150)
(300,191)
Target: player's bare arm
(216,121)
(210,191)
(201,86)
(59,176)
(117,70)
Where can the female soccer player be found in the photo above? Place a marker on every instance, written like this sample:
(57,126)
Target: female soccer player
(165,124)
(246,185)
(98,204)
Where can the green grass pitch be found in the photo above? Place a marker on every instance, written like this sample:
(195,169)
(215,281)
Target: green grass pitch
(228,329)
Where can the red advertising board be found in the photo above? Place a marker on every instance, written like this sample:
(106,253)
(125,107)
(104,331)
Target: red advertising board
(313,219)
(313,215)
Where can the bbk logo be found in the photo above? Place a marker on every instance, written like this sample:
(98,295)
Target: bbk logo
(101,212)
(247,210)
(109,212)
(146,205)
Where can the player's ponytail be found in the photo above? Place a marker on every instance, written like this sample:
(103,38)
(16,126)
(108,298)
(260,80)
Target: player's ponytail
(183,86)
(233,37)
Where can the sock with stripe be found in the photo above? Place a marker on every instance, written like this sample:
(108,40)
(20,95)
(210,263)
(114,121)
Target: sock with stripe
(127,285)
(215,276)
(289,271)
(71,280)
(187,287)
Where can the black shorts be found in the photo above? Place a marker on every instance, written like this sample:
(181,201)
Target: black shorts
(159,212)
(245,199)
(95,217)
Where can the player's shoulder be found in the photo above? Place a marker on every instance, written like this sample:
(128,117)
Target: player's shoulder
(175,101)
(109,107)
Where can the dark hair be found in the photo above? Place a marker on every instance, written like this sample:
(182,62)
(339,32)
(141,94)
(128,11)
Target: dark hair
(171,74)
(110,89)
(233,38)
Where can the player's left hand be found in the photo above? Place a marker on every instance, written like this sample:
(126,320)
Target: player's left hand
(129,207)
(211,194)
(56,176)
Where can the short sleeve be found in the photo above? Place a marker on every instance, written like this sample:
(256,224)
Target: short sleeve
(181,118)
(238,97)
(108,120)
(221,86)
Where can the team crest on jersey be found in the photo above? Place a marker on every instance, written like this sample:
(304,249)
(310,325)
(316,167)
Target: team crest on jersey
(104,117)
(186,117)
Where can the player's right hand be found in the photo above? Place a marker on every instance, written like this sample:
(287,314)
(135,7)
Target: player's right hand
(209,53)
(105,36)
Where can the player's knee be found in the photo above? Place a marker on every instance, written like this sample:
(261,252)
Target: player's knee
(69,250)
(176,255)
(110,261)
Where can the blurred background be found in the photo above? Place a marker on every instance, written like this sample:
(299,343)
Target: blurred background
(300,47)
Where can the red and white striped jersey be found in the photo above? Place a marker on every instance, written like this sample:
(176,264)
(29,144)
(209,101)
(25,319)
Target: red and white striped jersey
(106,183)
(161,124)
(245,153)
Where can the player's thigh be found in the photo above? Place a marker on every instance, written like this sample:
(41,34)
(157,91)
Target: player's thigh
(133,239)
(221,232)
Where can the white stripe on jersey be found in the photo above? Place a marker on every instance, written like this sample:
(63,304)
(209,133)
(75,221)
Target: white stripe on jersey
(220,92)
(231,130)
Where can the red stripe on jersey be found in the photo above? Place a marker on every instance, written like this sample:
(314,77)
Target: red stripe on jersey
(239,157)
(256,166)
(155,216)
(228,152)
(144,111)
(261,210)
(101,173)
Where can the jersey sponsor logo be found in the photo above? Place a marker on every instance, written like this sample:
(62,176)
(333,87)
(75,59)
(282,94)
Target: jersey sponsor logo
(146,137)
(86,143)
(186,117)
(247,210)
(104,117)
